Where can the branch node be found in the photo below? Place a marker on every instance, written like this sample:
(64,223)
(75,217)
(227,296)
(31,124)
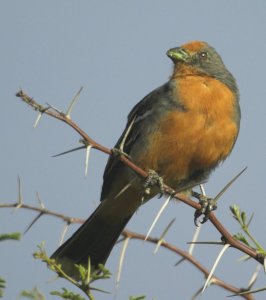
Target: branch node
(60,112)
(161,238)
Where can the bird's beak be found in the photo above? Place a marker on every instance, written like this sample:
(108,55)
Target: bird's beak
(178,54)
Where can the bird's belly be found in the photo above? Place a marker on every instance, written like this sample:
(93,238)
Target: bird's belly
(186,144)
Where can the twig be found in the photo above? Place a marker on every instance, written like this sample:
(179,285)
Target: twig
(63,117)
(133,235)
(44,211)
(215,280)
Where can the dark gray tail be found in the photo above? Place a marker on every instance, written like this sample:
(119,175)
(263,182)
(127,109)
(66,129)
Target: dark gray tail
(94,239)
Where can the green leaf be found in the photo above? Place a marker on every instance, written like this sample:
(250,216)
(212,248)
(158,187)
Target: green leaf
(34,294)
(85,277)
(82,272)
(137,297)
(67,295)
(241,238)
(10,236)
(2,286)
(235,211)
(243,217)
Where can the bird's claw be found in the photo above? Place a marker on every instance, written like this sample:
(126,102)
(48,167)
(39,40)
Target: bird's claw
(151,180)
(119,152)
(207,206)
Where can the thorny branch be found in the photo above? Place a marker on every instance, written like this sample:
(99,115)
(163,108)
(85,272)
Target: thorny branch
(49,110)
(89,143)
(127,234)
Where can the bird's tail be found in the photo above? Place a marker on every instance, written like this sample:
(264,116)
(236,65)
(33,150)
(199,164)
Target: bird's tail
(94,239)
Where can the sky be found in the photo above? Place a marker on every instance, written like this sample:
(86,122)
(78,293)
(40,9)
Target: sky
(116,51)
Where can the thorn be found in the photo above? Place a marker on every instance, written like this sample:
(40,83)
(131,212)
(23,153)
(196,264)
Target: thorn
(33,222)
(121,145)
(206,243)
(55,109)
(69,151)
(120,240)
(158,216)
(194,239)
(20,196)
(161,238)
(198,292)
(197,230)
(37,119)
(40,201)
(124,188)
(248,292)
(229,184)
(158,245)
(88,149)
(208,281)
(179,262)
(73,102)
(120,263)
(64,231)
(254,277)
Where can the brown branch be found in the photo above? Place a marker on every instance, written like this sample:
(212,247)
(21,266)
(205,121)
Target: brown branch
(44,211)
(134,235)
(89,141)
(215,280)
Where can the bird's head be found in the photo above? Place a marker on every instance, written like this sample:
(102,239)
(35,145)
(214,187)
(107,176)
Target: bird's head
(199,58)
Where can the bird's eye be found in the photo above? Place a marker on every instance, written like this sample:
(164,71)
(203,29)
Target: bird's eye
(203,55)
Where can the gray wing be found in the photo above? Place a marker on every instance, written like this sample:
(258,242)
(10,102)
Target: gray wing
(148,110)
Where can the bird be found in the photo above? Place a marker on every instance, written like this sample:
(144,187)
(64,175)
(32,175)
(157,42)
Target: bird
(182,131)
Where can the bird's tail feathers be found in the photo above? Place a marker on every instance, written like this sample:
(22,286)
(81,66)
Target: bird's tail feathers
(94,239)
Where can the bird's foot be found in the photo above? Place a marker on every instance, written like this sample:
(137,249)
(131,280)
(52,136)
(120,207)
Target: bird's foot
(119,152)
(207,206)
(151,180)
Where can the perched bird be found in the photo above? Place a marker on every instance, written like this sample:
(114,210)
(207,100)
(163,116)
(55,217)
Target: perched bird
(182,130)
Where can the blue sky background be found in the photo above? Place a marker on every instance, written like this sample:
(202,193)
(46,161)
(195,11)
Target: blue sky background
(116,50)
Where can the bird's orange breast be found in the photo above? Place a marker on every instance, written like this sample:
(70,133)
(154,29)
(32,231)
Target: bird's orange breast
(199,137)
